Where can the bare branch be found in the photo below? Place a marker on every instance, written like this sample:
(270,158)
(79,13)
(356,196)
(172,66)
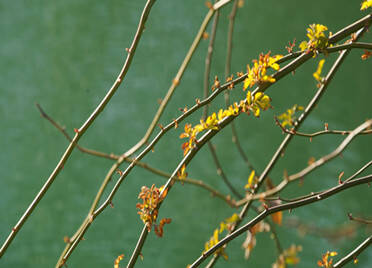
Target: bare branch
(318,133)
(321,161)
(354,254)
(282,207)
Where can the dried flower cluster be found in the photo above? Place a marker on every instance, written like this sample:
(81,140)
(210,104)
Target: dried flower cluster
(148,210)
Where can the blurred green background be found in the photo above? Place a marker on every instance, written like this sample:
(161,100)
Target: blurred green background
(65,55)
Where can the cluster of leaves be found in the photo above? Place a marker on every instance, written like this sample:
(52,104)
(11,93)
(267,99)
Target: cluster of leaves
(326,262)
(225,225)
(288,257)
(288,118)
(317,39)
(148,210)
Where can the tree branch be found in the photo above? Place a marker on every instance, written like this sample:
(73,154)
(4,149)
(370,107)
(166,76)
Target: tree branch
(282,207)
(321,161)
(354,254)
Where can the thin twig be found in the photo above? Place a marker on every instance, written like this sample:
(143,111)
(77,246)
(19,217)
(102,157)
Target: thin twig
(176,81)
(220,171)
(359,171)
(282,207)
(208,62)
(156,171)
(354,253)
(358,219)
(318,133)
(321,161)
(230,32)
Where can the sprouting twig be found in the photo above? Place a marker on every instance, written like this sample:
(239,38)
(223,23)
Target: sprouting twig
(318,133)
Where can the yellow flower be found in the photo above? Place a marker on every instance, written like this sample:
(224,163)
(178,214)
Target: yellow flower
(257,74)
(210,123)
(181,174)
(319,71)
(288,117)
(262,100)
(317,38)
(255,104)
(366,4)
(252,180)
(272,62)
(303,45)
